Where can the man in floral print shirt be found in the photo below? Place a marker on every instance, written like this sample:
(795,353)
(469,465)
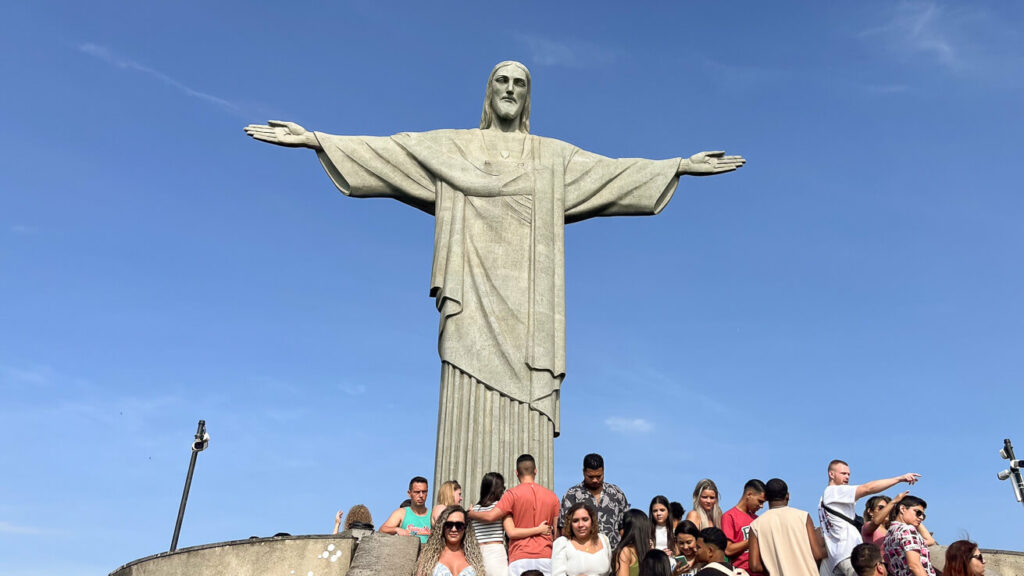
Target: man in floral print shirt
(905,551)
(607,499)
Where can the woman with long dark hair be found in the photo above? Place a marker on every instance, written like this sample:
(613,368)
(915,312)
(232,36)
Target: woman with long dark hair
(964,559)
(581,550)
(490,535)
(634,545)
(451,549)
(661,525)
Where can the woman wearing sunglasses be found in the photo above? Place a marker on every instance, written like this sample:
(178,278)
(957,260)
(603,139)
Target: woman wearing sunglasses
(878,515)
(905,550)
(452,550)
(964,559)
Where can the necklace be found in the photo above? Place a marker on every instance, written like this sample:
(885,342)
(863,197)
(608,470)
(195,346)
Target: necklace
(589,545)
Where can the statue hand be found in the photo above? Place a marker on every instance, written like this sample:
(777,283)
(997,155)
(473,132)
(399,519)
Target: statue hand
(283,134)
(708,163)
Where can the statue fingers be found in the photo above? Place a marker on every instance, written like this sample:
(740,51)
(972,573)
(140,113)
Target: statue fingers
(254,128)
(265,136)
(731,161)
(289,126)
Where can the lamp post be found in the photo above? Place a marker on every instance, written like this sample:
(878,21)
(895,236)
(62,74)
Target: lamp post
(198,445)
(1013,472)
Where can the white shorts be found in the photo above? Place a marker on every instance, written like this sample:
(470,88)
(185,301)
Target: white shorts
(495,559)
(519,566)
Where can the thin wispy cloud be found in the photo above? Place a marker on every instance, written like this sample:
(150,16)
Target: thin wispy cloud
(742,77)
(22,229)
(110,57)
(652,380)
(926,29)
(628,425)
(26,377)
(11,528)
(564,53)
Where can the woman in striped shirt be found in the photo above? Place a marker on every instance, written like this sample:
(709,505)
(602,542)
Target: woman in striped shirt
(491,535)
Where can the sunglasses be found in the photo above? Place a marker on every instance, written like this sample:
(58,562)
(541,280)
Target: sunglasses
(457,526)
(979,557)
(920,514)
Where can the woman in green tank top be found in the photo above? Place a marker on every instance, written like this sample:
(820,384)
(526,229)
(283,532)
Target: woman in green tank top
(634,545)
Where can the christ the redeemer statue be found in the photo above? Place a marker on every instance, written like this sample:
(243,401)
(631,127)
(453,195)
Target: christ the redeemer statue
(501,198)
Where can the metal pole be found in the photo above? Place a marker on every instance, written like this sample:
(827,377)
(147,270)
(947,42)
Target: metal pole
(197,447)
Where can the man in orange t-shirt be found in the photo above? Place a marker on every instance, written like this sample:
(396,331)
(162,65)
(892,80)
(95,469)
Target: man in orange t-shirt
(533,510)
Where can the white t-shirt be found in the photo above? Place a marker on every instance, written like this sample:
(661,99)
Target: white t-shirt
(661,537)
(840,536)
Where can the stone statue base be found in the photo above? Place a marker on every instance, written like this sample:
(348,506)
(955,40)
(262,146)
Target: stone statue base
(481,430)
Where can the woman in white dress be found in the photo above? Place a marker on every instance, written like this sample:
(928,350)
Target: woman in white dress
(581,550)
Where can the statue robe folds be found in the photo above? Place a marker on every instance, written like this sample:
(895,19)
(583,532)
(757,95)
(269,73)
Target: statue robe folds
(498,273)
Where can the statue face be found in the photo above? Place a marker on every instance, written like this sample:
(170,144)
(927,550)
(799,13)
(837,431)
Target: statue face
(508,92)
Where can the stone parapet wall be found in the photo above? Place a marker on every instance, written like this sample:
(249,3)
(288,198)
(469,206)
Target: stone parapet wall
(279,556)
(377,554)
(997,562)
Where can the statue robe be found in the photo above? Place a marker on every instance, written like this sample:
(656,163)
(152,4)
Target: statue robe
(498,271)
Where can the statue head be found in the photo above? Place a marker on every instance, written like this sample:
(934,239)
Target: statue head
(506,97)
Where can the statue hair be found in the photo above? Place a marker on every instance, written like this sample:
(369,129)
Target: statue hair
(430,552)
(487,118)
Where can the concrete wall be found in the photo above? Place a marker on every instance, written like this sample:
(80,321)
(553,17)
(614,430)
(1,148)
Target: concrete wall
(280,556)
(997,562)
(387,555)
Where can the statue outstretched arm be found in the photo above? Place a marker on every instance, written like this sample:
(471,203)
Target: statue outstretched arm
(710,163)
(281,133)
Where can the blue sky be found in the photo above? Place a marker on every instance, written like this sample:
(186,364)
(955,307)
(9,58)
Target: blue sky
(854,291)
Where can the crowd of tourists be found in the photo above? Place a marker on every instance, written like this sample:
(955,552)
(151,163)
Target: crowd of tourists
(592,530)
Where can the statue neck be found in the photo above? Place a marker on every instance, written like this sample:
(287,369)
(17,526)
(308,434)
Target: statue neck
(505,125)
